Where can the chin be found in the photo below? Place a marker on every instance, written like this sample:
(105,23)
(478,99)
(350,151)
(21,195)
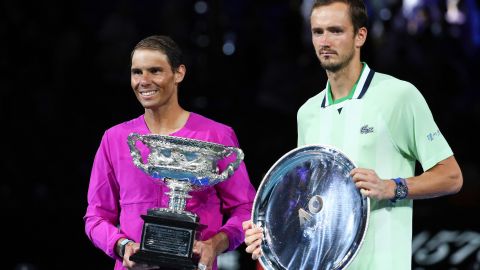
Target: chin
(331,66)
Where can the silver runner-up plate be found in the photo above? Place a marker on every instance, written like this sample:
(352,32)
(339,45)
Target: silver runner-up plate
(312,214)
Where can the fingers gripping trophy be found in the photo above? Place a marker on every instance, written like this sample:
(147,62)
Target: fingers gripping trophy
(183,165)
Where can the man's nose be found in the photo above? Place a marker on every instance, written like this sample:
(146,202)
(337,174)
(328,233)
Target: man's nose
(145,79)
(324,40)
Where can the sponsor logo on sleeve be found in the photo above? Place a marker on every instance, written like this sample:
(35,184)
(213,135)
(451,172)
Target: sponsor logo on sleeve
(433,135)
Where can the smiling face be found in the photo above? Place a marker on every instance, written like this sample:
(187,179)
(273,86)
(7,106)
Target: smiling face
(333,36)
(154,82)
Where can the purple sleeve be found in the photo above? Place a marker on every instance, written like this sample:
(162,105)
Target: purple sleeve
(237,195)
(103,207)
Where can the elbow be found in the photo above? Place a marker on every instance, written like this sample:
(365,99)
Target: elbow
(453,175)
(457,181)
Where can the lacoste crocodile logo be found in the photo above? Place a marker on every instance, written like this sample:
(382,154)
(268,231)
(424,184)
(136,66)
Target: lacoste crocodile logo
(366,129)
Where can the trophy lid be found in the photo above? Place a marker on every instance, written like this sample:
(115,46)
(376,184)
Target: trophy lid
(312,214)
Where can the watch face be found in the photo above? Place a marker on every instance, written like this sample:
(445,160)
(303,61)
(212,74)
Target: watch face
(401,191)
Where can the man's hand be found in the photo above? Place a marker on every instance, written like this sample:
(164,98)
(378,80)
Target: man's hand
(209,249)
(253,239)
(371,185)
(130,249)
(206,252)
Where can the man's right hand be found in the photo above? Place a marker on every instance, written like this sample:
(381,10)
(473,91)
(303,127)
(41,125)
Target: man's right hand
(130,249)
(253,238)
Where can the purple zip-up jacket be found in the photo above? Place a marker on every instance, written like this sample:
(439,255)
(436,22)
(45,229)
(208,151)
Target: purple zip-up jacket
(119,192)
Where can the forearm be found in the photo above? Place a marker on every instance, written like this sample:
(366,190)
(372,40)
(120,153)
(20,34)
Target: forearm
(219,242)
(442,179)
(233,226)
(237,195)
(103,234)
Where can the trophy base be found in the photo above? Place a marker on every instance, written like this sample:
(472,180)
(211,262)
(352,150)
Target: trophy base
(165,261)
(167,240)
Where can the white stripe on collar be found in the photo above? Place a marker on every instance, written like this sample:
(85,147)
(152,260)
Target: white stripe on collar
(358,89)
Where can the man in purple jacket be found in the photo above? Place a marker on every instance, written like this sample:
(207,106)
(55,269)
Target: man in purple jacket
(119,193)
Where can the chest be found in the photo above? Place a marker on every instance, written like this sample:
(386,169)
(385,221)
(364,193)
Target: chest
(357,128)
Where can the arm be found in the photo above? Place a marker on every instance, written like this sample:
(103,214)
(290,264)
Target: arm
(416,136)
(102,212)
(237,195)
(237,198)
(209,249)
(444,178)
(218,244)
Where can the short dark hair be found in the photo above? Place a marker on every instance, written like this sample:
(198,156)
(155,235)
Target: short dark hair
(166,45)
(358,11)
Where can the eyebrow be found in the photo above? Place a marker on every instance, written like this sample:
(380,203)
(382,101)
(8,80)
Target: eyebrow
(148,68)
(329,28)
(335,28)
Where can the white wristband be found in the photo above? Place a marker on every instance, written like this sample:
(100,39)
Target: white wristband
(123,243)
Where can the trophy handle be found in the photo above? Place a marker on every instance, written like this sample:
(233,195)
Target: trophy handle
(232,166)
(136,155)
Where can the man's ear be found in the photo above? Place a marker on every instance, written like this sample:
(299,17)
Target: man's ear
(361,37)
(180,73)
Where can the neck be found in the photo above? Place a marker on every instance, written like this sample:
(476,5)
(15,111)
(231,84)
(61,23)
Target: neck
(342,81)
(165,121)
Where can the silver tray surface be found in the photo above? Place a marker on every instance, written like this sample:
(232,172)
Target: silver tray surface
(312,214)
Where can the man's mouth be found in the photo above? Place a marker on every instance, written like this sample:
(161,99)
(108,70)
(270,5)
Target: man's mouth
(327,53)
(148,93)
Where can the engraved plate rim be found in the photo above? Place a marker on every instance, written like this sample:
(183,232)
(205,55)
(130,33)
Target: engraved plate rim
(351,254)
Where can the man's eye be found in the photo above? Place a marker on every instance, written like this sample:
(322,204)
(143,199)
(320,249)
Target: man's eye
(136,72)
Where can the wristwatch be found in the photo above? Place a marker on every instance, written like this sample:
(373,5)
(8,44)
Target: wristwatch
(401,189)
(123,244)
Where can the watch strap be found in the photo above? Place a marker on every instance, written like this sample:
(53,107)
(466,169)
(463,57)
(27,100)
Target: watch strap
(401,189)
(123,244)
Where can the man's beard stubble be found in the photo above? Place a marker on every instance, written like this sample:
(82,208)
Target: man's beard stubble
(335,67)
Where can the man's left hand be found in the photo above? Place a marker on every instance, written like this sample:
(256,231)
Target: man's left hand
(206,252)
(209,249)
